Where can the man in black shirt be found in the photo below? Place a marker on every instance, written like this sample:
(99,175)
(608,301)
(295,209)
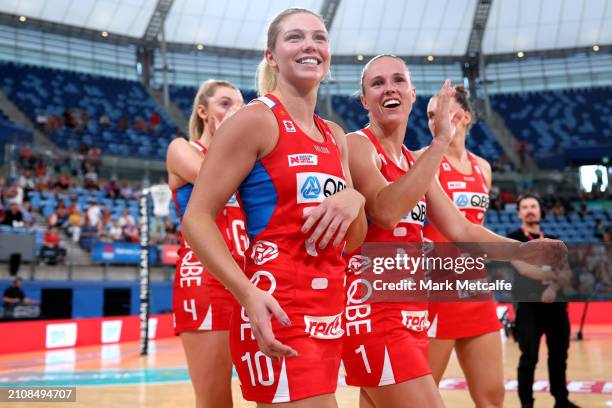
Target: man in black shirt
(14,295)
(538,314)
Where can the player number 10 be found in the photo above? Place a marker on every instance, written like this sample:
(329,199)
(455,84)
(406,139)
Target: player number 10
(257,357)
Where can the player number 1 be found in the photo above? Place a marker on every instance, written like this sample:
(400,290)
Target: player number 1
(361,349)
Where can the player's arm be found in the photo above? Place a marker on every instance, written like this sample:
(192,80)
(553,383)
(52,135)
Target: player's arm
(183,162)
(359,227)
(456,228)
(238,143)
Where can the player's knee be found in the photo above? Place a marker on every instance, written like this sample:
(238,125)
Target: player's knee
(491,397)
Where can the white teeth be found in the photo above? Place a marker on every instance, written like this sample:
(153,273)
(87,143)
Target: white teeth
(308,61)
(391,102)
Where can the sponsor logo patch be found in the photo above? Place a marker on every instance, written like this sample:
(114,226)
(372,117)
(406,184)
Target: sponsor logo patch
(264,251)
(358,263)
(417,215)
(446,167)
(232,202)
(471,200)
(324,327)
(289,126)
(456,185)
(302,159)
(415,320)
(315,187)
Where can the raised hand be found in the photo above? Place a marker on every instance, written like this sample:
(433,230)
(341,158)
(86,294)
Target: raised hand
(333,216)
(443,128)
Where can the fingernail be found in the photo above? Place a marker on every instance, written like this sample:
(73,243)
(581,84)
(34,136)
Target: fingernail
(286,321)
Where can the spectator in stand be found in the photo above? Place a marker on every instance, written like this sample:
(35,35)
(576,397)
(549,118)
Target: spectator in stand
(15,193)
(126,218)
(106,217)
(113,189)
(584,211)
(51,251)
(26,158)
(63,183)
(91,178)
(2,213)
(127,192)
(53,123)
(27,181)
(123,123)
(3,190)
(116,232)
(94,156)
(41,121)
(558,209)
(84,121)
(171,232)
(104,121)
(154,121)
(94,213)
(75,223)
(14,217)
(26,213)
(130,232)
(600,229)
(140,125)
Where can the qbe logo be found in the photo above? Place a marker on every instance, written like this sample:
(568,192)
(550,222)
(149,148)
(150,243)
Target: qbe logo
(471,200)
(302,159)
(417,215)
(264,251)
(315,187)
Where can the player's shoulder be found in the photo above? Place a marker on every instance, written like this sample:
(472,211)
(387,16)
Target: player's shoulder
(482,162)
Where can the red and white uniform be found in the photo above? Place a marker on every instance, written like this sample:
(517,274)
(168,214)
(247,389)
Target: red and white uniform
(455,320)
(200,301)
(307,282)
(385,342)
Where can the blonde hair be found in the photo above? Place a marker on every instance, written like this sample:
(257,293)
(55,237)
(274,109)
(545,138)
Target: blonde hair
(376,58)
(205,92)
(266,75)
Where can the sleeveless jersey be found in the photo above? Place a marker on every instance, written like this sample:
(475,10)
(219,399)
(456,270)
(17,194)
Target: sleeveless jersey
(468,192)
(307,282)
(455,320)
(230,220)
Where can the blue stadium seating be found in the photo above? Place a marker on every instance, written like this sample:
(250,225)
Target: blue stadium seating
(36,89)
(481,140)
(560,125)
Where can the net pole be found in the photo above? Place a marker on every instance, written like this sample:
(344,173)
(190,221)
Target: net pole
(145,281)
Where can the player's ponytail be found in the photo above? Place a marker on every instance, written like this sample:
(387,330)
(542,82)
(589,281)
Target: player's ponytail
(266,78)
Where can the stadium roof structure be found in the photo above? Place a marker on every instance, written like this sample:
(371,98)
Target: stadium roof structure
(441,28)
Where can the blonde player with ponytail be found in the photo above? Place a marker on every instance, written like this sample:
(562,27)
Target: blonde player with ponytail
(202,306)
(291,170)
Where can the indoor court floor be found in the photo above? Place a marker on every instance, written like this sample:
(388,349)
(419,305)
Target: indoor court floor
(116,375)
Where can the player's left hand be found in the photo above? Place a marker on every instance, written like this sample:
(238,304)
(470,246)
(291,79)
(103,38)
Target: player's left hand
(334,216)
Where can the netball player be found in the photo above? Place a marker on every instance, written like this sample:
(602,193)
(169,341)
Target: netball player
(385,349)
(291,170)
(202,306)
(471,328)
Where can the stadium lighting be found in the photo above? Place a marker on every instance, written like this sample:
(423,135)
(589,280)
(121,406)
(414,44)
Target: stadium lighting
(200,47)
(430,58)
(596,48)
(520,54)
(23,19)
(104,34)
(359,57)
